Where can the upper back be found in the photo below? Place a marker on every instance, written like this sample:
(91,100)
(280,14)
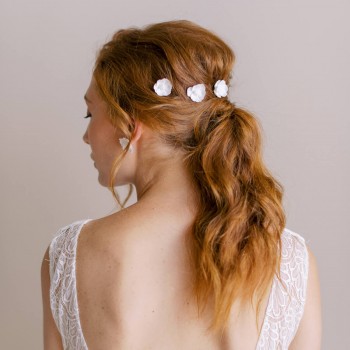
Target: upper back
(133,294)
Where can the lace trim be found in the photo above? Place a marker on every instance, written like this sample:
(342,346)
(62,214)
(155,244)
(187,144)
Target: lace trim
(282,317)
(63,296)
(286,302)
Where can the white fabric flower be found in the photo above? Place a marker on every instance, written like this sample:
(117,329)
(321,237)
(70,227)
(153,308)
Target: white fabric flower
(220,88)
(163,87)
(196,92)
(124,142)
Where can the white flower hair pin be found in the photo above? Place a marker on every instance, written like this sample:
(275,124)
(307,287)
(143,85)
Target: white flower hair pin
(163,87)
(124,142)
(196,92)
(220,88)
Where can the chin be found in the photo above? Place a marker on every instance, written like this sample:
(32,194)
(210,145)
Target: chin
(122,178)
(102,180)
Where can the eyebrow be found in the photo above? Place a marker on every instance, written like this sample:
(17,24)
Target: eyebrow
(86,99)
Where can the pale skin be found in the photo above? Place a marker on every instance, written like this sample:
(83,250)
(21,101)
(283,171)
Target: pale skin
(132,269)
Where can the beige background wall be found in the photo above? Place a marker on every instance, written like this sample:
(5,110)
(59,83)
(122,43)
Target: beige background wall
(292,71)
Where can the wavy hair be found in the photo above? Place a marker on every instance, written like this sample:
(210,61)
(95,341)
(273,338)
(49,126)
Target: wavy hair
(235,245)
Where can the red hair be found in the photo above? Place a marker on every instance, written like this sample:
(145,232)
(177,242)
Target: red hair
(235,243)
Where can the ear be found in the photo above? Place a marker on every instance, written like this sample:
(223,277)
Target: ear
(137,131)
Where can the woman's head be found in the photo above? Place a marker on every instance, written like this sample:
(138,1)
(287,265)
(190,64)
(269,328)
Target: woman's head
(128,66)
(236,242)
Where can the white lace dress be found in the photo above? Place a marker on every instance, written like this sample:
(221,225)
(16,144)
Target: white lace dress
(283,313)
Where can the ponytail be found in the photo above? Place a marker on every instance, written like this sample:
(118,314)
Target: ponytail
(236,235)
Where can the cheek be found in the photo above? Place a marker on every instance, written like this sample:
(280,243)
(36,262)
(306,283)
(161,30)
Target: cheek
(104,140)
(97,135)
(108,146)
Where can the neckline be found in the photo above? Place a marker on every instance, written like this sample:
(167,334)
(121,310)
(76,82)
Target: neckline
(75,292)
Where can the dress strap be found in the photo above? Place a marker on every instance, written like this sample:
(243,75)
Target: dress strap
(63,298)
(288,295)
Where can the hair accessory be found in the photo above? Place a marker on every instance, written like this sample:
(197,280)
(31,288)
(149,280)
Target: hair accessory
(220,88)
(163,87)
(124,142)
(196,92)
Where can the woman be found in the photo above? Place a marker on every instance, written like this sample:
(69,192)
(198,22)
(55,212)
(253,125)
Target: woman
(203,259)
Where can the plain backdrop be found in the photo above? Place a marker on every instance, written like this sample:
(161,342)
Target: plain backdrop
(292,71)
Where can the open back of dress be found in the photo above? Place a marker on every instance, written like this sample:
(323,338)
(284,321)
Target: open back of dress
(283,313)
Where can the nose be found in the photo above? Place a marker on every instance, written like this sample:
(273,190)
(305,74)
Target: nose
(85,137)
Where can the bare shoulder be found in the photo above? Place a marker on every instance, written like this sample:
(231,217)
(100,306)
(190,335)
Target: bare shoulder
(100,240)
(309,333)
(97,275)
(117,236)
(109,251)
(98,235)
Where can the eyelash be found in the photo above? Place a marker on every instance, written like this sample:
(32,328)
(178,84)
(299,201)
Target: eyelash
(88,115)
